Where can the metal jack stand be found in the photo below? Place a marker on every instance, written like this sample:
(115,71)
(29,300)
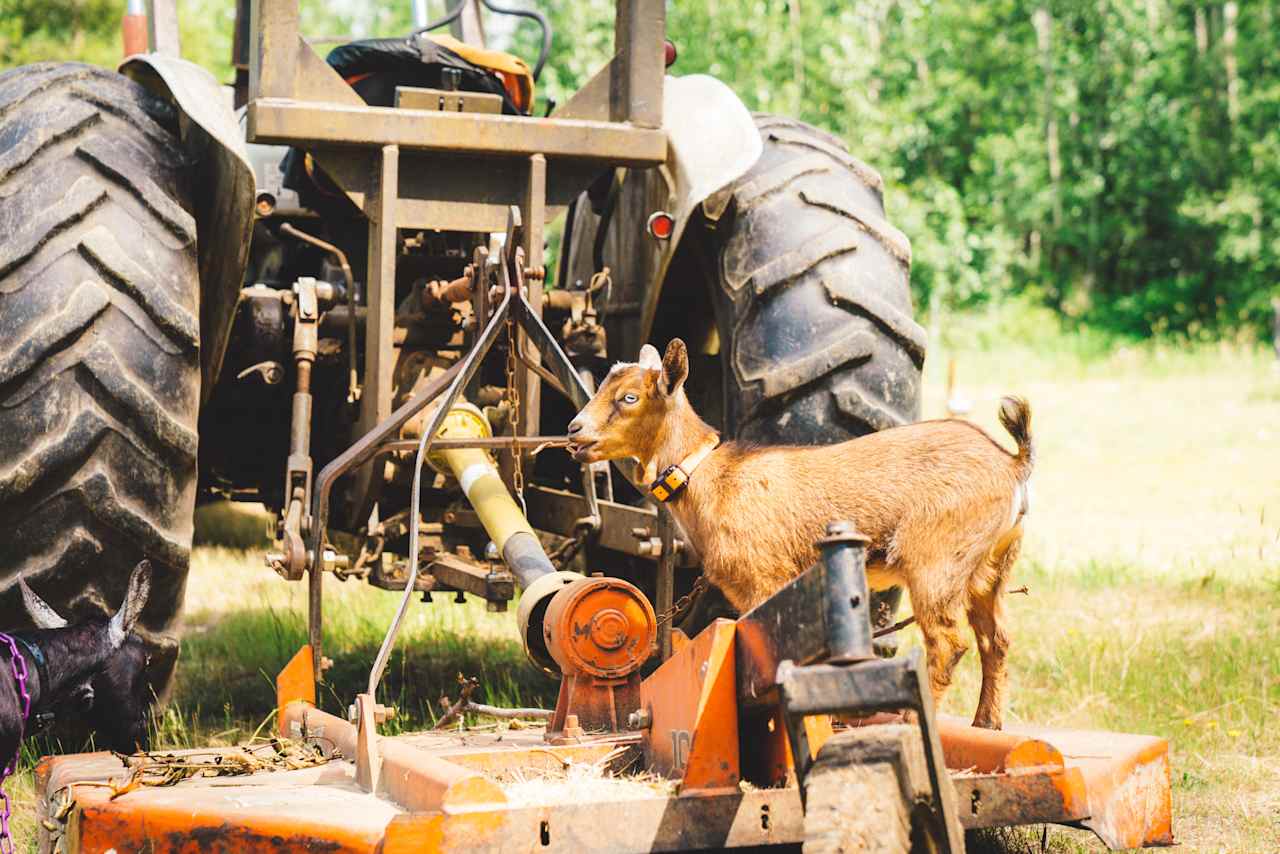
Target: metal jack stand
(854,681)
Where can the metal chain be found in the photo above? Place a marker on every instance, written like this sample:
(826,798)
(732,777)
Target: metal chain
(684,601)
(513,400)
(19,666)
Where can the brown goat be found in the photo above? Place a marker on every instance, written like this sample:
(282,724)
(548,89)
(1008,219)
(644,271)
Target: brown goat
(941,502)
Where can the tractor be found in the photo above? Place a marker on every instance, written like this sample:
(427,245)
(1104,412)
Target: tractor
(327,288)
(217,291)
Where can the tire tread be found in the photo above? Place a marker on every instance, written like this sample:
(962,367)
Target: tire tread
(100,372)
(820,342)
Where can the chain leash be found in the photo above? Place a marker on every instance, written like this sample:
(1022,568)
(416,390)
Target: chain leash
(682,604)
(19,667)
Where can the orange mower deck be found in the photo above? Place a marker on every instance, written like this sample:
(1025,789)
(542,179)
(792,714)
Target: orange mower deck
(512,790)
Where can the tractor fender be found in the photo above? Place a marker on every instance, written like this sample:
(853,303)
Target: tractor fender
(712,141)
(223,188)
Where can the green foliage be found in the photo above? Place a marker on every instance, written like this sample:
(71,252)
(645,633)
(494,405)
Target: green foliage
(1117,161)
(37,30)
(1156,213)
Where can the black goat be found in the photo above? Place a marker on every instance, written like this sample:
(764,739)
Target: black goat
(68,665)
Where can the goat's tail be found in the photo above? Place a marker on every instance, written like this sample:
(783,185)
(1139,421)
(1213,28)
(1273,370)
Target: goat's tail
(1015,416)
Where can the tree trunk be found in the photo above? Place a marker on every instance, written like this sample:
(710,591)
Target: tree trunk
(797,53)
(1043,21)
(1229,13)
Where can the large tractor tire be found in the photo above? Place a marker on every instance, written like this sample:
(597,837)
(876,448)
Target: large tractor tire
(814,307)
(99,348)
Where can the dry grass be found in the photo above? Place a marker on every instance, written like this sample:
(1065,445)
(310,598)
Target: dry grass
(1153,559)
(1151,556)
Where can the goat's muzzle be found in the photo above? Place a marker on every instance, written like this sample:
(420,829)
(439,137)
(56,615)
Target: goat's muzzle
(582,450)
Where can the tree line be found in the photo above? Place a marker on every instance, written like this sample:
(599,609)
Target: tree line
(1116,160)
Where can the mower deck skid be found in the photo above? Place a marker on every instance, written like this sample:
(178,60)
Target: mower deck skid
(515,791)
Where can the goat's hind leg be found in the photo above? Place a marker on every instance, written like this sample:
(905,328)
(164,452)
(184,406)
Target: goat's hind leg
(986,615)
(987,618)
(944,645)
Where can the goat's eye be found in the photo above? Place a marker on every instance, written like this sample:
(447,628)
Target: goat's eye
(630,399)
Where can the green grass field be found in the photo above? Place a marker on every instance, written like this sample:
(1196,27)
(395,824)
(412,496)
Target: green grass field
(1152,560)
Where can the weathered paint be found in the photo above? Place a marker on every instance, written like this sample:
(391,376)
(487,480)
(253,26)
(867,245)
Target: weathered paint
(295,684)
(692,704)
(433,799)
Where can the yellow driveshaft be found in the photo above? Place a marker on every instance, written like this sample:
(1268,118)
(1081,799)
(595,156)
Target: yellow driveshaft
(476,473)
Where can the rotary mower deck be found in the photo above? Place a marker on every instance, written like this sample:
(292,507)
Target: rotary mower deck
(734,732)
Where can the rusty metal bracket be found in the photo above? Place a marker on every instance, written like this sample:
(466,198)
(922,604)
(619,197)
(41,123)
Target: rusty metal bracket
(291,560)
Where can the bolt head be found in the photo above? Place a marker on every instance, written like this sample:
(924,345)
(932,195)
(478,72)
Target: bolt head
(639,719)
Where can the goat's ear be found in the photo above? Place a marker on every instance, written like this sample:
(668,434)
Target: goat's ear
(649,358)
(40,611)
(135,598)
(675,366)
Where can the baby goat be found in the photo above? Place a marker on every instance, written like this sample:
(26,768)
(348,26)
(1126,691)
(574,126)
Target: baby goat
(941,502)
(66,664)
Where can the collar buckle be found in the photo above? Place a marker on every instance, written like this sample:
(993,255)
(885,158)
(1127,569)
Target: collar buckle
(669,484)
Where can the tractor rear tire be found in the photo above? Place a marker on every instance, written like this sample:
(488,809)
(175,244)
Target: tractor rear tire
(814,306)
(99,348)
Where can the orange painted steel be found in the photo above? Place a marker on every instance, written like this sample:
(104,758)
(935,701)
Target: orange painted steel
(1124,783)
(766,749)
(292,811)
(133,34)
(692,704)
(432,798)
(991,751)
(599,631)
(303,722)
(603,627)
(413,778)
(295,684)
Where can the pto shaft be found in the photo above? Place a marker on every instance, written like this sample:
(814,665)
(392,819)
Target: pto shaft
(501,517)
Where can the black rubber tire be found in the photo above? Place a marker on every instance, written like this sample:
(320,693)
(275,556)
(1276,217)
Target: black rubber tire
(813,302)
(99,335)
(813,308)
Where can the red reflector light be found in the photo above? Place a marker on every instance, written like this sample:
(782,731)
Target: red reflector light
(661,225)
(669,53)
